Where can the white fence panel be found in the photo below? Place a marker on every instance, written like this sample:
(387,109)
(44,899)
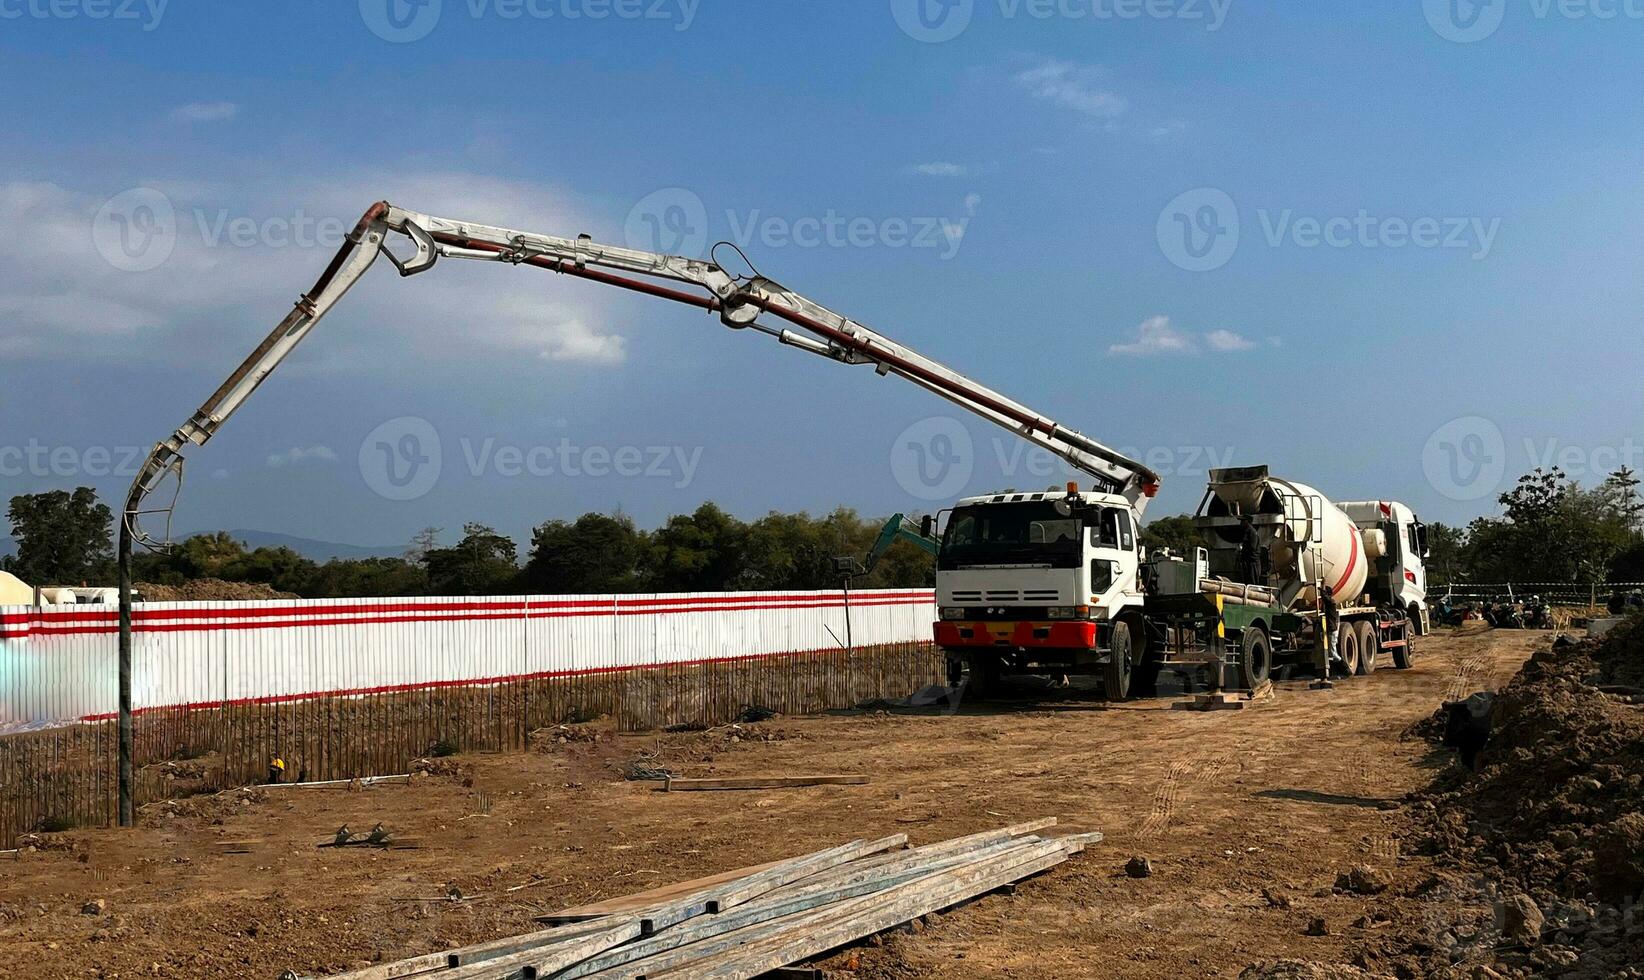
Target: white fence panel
(58,664)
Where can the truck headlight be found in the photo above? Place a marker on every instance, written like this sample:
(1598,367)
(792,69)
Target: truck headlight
(953,612)
(1068,612)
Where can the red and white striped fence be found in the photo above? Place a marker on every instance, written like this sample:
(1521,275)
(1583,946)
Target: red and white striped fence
(58,665)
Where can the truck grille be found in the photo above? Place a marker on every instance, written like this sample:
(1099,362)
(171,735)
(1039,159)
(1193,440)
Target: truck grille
(1045,596)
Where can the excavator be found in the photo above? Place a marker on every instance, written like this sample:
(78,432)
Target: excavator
(899,528)
(1052,575)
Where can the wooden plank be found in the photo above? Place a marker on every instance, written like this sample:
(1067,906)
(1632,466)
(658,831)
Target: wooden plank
(845,924)
(646,899)
(498,948)
(734,893)
(760,782)
(415,967)
(936,891)
(778,904)
(749,928)
(548,960)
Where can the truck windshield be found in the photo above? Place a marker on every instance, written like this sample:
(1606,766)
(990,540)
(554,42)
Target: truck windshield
(1026,533)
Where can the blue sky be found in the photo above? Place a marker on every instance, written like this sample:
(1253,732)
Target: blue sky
(1431,289)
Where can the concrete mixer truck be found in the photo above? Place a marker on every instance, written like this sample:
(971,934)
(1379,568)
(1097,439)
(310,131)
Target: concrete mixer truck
(1253,597)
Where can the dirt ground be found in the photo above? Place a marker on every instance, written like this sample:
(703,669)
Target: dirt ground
(1247,817)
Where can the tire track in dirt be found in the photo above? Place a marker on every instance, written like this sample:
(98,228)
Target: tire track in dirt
(1165,798)
(1474,670)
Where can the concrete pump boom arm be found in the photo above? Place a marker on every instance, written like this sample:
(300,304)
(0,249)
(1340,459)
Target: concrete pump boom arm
(739,302)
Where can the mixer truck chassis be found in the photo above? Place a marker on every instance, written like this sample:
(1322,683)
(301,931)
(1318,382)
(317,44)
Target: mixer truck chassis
(1206,642)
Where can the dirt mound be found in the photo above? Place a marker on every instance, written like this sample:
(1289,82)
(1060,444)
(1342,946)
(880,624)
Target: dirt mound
(210,590)
(1548,829)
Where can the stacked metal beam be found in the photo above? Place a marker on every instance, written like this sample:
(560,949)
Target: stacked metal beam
(792,911)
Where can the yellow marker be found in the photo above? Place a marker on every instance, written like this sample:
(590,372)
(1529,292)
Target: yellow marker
(1221,624)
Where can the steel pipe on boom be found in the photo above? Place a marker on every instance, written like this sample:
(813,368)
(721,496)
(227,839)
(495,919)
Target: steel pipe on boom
(738,300)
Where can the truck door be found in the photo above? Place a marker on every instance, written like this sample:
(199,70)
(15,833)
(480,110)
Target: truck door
(1114,565)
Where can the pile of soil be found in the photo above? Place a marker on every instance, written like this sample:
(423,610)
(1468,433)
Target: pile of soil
(210,590)
(1540,853)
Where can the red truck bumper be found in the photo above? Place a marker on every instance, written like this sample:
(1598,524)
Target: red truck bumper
(1057,635)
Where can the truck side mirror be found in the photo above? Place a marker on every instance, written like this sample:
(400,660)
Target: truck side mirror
(927,526)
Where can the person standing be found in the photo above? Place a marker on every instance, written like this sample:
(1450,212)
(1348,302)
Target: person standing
(1332,623)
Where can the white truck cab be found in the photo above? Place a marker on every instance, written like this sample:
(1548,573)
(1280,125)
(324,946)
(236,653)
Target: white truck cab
(1038,580)
(1398,577)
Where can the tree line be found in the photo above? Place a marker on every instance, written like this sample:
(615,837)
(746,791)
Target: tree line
(65,538)
(1550,529)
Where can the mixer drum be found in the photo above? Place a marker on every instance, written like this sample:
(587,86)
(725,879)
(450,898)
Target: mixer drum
(1328,543)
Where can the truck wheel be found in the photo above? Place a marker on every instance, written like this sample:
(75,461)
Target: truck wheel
(1347,645)
(1119,663)
(1256,658)
(1369,646)
(983,681)
(1405,655)
(1144,670)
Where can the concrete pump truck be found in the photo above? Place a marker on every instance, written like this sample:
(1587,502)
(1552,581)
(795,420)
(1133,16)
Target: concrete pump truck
(1046,570)
(1053,581)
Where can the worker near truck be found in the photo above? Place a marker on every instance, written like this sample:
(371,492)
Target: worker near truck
(1332,623)
(1250,547)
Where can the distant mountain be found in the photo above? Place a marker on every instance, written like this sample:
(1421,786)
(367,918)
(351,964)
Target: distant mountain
(321,551)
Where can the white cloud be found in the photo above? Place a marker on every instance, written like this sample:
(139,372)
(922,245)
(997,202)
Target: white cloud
(1076,87)
(938,168)
(60,295)
(1156,336)
(204,112)
(297,454)
(573,341)
(1227,340)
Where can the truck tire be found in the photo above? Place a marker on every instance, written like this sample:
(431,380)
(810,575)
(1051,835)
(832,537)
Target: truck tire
(1347,645)
(1117,674)
(1144,666)
(1255,658)
(1405,655)
(982,680)
(1369,646)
